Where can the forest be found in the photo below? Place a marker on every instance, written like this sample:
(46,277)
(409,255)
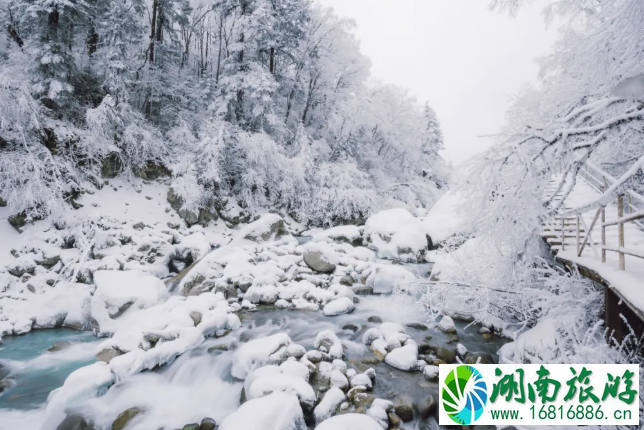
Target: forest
(245,103)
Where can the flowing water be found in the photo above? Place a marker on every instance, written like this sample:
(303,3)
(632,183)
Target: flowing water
(198,384)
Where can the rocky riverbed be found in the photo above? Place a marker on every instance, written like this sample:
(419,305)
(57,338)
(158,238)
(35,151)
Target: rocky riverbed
(204,326)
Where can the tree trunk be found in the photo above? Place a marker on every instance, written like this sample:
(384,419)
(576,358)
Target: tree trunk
(92,41)
(155,6)
(14,35)
(272,61)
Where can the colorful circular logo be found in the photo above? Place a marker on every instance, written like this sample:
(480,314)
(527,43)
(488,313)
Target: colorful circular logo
(464,395)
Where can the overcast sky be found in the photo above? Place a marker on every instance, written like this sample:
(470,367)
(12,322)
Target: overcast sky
(466,61)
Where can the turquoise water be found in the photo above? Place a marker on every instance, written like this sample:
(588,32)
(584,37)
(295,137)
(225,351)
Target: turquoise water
(36,371)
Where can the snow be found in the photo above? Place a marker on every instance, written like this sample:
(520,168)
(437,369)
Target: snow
(342,305)
(196,244)
(83,383)
(362,380)
(281,410)
(117,291)
(335,351)
(290,377)
(349,422)
(257,353)
(385,277)
(397,235)
(444,220)
(431,372)
(269,227)
(342,233)
(405,357)
(329,404)
(447,325)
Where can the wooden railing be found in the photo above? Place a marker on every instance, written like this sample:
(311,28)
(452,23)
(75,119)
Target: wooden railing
(626,198)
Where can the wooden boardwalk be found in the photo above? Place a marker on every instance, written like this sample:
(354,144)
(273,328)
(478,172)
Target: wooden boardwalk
(605,242)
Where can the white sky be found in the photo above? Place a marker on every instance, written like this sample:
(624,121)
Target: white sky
(466,61)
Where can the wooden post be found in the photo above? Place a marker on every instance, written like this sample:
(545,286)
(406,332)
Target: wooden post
(578,235)
(603,234)
(563,232)
(620,227)
(603,227)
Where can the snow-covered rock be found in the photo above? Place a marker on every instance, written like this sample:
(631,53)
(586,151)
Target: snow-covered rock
(329,404)
(447,325)
(84,383)
(259,352)
(405,357)
(349,422)
(320,257)
(444,219)
(277,411)
(269,227)
(397,235)
(385,277)
(350,234)
(290,377)
(431,372)
(117,291)
(342,305)
(328,340)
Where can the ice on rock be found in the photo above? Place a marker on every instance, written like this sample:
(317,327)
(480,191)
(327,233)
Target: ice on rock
(405,357)
(343,305)
(331,342)
(328,405)
(117,291)
(259,352)
(349,422)
(290,377)
(277,411)
(385,278)
(397,235)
